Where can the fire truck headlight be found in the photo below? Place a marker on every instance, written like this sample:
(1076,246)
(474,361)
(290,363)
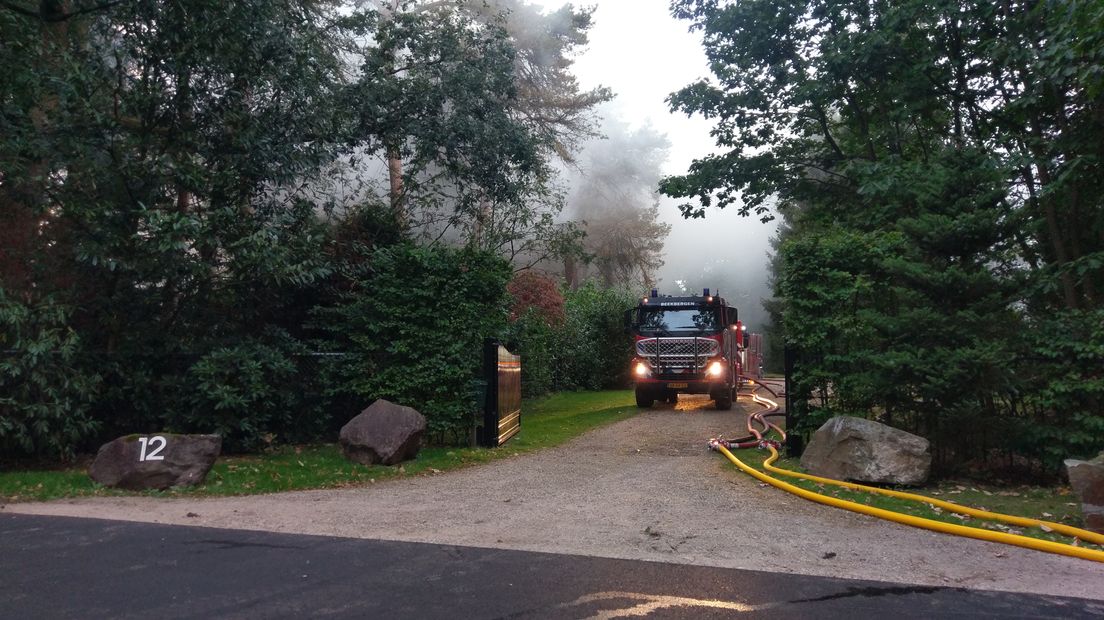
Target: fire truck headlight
(641,369)
(716,369)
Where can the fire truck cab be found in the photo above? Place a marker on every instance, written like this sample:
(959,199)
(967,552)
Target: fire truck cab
(687,344)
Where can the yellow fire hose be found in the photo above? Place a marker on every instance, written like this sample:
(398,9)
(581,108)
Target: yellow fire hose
(1061,528)
(921,522)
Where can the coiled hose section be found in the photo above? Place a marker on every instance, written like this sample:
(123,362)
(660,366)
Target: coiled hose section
(770,407)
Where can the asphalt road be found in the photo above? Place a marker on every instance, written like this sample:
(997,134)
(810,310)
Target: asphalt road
(57,567)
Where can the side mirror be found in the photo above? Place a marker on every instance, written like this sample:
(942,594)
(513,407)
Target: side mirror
(628,321)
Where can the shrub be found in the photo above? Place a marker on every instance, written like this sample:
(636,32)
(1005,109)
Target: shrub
(532,337)
(594,349)
(536,313)
(589,350)
(412,327)
(252,394)
(537,292)
(44,390)
(1065,374)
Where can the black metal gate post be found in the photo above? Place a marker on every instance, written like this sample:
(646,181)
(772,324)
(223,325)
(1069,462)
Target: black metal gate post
(794,442)
(490,394)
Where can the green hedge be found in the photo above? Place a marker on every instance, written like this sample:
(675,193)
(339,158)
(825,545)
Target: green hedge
(45,390)
(589,350)
(413,327)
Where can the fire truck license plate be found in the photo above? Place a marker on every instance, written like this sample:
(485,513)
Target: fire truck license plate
(676,385)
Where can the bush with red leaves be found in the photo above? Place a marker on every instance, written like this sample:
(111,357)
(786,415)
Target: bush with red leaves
(534,290)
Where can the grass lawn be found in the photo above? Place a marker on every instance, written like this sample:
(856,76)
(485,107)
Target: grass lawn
(546,422)
(1049,504)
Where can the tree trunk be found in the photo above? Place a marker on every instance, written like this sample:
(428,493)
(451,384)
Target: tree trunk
(395,176)
(1057,242)
(22,199)
(482,218)
(571,271)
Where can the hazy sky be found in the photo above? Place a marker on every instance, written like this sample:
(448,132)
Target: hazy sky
(643,54)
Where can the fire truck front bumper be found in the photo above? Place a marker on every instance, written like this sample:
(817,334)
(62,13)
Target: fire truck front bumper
(714,374)
(684,385)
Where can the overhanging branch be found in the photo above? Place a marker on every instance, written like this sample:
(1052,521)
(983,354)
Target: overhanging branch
(44,16)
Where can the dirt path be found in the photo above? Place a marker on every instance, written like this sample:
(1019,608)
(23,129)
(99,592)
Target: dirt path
(644,488)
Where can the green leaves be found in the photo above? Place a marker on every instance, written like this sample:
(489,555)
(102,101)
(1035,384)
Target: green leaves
(936,165)
(44,403)
(436,95)
(412,327)
(587,350)
(175,211)
(249,394)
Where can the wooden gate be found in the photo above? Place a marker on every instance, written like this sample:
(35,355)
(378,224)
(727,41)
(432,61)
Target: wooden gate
(502,406)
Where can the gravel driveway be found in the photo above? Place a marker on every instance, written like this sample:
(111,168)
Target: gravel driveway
(644,488)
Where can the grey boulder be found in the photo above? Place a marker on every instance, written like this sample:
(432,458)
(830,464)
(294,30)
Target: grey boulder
(849,448)
(160,461)
(384,433)
(1087,480)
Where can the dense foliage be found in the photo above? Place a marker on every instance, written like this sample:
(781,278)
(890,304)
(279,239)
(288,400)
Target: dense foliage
(45,404)
(530,290)
(938,168)
(412,327)
(588,350)
(253,394)
(196,237)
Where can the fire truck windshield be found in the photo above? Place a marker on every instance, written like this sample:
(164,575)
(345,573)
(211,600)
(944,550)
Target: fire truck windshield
(678,319)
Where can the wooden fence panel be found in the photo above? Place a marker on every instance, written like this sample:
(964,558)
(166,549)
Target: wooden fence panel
(502,409)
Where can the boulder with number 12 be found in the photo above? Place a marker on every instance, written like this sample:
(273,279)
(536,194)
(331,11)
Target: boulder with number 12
(160,461)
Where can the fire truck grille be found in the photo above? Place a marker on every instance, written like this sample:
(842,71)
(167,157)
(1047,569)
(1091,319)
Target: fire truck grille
(678,351)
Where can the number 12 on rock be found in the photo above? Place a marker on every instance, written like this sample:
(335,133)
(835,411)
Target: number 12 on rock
(155,445)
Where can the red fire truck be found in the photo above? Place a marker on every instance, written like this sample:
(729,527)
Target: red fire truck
(689,344)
